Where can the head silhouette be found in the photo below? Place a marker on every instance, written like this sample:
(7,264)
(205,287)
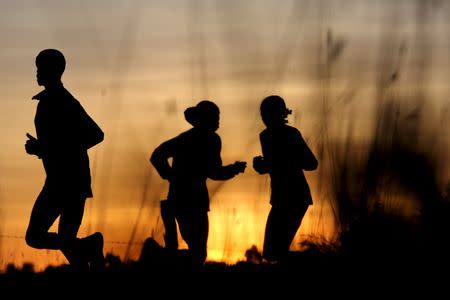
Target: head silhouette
(274,111)
(205,115)
(50,65)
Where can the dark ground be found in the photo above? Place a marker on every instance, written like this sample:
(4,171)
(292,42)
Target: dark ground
(159,274)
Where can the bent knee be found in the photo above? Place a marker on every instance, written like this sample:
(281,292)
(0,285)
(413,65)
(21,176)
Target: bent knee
(33,240)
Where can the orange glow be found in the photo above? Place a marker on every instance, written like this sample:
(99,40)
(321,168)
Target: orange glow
(135,66)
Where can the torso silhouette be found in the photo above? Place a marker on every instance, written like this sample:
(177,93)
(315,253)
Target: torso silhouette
(65,132)
(286,155)
(196,156)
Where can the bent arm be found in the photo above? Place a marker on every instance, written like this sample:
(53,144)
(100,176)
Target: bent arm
(227,172)
(260,165)
(160,156)
(94,134)
(89,133)
(215,169)
(32,146)
(308,161)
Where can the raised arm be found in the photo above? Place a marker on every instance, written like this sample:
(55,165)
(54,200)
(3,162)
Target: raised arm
(160,156)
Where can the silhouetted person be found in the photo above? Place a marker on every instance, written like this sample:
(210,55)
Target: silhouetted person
(64,134)
(285,156)
(170,225)
(196,157)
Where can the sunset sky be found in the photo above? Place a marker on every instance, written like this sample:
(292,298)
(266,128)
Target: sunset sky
(136,65)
